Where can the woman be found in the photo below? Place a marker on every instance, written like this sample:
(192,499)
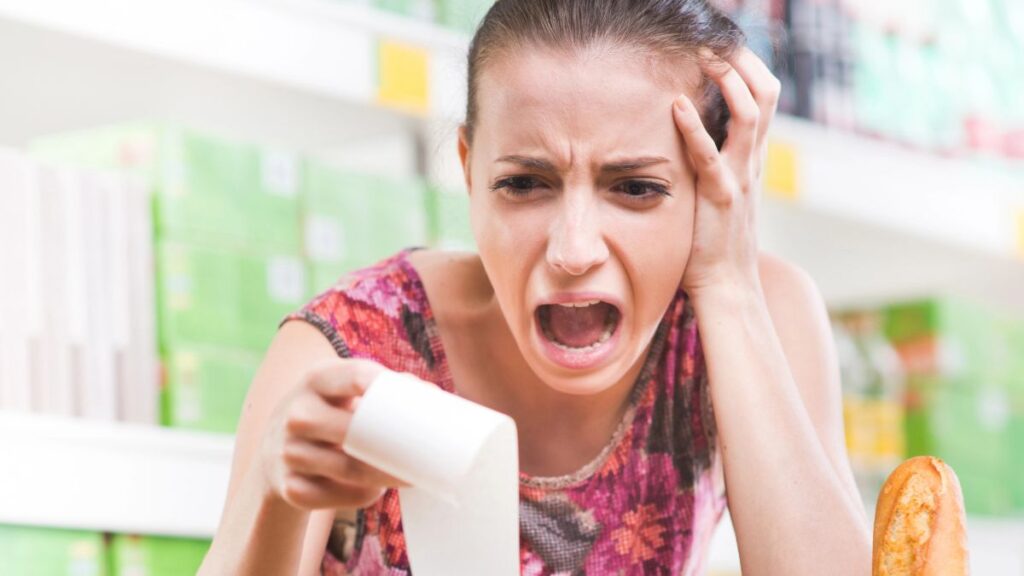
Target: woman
(619,310)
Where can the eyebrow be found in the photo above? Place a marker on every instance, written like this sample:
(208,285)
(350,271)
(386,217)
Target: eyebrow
(626,165)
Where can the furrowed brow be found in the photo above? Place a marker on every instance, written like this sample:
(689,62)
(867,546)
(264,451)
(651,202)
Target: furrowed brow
(527,162)
(632,164)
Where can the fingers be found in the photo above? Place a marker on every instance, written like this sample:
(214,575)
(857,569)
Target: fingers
(700,147)
(309,459)
(312,493)
(338,381)
(313,418)
(743,110)
(763,85)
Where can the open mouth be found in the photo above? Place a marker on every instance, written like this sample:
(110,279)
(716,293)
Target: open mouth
(578,326)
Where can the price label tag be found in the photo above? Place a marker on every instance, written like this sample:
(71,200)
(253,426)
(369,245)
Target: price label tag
(403,77)
(782,172)
(1019,217)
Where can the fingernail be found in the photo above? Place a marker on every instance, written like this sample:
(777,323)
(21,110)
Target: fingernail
(682,101)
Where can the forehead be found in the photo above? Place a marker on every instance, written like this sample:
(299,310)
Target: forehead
(590,93)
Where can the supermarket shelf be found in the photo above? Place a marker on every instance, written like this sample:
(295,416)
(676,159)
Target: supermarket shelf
(146,480)
(298,73)
(322,46)
(111,477)
(947,200)
(996,547)
(902,223)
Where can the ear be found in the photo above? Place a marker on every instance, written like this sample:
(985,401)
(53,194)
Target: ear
(464,156)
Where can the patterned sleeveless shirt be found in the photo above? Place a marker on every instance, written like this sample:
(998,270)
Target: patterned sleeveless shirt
(647,504)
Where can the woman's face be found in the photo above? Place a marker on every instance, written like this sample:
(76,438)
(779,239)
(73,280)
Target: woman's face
(582,206)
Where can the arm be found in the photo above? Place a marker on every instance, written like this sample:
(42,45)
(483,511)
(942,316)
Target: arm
(767,347)
(793,502)
(288,478)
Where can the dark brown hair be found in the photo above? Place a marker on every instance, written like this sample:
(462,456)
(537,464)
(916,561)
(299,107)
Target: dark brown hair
(660,27)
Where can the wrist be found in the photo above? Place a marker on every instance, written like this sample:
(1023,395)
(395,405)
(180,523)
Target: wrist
(732,296)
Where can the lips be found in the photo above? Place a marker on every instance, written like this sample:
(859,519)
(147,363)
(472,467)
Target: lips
(578,331)
(578,325)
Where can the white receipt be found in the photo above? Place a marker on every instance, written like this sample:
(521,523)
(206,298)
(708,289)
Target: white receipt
(460,515)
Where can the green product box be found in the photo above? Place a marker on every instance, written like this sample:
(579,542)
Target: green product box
(155,556)
(205,189)
(34,551)
(464,15)
(222,297)
(269,289)
(973,432)
(205,386)
(449,219)
(323,276)
(399,216)
(421,9)
(338,219)
(959,340)
(1016,425)
(197,289)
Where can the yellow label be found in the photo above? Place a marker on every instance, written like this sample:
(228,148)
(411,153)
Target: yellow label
(403,76)
(781,171)
(874,429)
(1020,232)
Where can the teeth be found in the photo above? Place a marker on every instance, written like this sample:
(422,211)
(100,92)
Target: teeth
(580,304)
(604,338)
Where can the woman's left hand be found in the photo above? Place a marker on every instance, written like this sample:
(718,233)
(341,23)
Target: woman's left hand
(724,251)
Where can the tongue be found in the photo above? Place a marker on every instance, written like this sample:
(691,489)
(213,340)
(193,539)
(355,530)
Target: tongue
(578,327)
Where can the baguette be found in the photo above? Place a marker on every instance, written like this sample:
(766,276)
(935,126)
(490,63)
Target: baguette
(920,528)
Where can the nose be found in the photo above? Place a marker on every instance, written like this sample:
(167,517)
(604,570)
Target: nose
(576,244)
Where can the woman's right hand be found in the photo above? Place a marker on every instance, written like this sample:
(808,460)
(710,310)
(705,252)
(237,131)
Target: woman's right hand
(302,459)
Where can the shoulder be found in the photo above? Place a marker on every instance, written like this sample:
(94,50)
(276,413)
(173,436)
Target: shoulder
(456,285)
(794,300)
(387,287)
(779,276)
(374,312)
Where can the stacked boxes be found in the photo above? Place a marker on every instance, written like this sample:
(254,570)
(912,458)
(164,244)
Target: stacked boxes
(462,15)
(26,551)
(448,211)
(35,551)
(242,237)
(353,219)
(420,9)
(338,225)
(228,251)
(964,395)
(155,556)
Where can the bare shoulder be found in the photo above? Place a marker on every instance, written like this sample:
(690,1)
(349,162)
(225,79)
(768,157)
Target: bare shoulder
(779,275)
(456,282)
(791,293)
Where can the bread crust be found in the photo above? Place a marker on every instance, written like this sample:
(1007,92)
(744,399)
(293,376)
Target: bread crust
(920,527)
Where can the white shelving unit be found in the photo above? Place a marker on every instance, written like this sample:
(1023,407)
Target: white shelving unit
(996,547)
(300,73)
(111,477)
(902,223)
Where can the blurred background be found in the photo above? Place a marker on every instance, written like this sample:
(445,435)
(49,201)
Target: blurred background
(177,176)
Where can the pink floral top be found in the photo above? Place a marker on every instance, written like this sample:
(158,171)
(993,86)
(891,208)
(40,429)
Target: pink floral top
(647,504)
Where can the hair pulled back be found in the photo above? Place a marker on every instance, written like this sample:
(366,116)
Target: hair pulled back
(658,27)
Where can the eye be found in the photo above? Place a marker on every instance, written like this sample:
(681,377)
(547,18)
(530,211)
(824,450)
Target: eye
(641,189)
(516,185)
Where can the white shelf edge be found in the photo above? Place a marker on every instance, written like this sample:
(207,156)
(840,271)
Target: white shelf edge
(322,47)
(378,21)
(111,477)
(957,202)
(996,546)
